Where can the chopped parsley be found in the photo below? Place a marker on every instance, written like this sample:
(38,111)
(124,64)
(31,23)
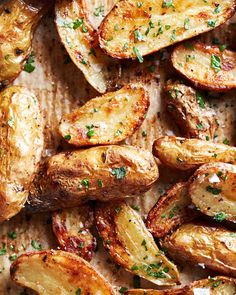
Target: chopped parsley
(219,217)
(10,122)
(167,4)
(200,100)
(118,132)
(119,173)
(138,55)
(67,137)
(100,183)
(36,245)
(211,23)
(29,64)
(213,190)
(186,23)
(215,63)
(138,35)
(3,251)
(218,9)
(123,290)
(12,235)
(91,131)
(99,10)
(85,183)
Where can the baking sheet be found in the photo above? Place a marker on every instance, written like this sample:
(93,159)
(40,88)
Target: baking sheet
(60,88)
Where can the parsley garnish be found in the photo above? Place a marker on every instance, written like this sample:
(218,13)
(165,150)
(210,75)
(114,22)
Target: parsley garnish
(215,63)
(138,55)
(213,190)
(220,217)
(119,173)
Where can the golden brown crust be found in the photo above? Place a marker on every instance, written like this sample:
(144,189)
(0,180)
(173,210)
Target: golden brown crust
(130,244)
(44,271)
(206,66)
(170,211)
(214,247)
(107,119)
(72,229)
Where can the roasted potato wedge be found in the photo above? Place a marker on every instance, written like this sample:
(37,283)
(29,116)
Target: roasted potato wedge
(206,66)
(184,154)
(133,29)
(213,286)
(215,247)
(108,119)
(212,190)
(171,210)
(18,21)
(58,272)
(21,145)
(130,244)
(102,173)
(190,111)
(72,228)
(79,38)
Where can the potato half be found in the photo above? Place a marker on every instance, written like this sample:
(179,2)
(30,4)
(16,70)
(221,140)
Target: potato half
(101,173)
(213,286)
(190,111)
(212,190)
(208,67)
(21,145)
(72,228)
(18,21)
(184,154)
(79,38)
(170,211)
(214,247)
(131,245)
(58,272)
(107,119)
(133,29)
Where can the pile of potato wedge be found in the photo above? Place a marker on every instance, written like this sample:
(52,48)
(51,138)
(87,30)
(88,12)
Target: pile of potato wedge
(87,187)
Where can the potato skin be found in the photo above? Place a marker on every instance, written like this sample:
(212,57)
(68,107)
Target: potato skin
(72,229)
(198,67)
(170,211)
(185,154)
(196,243)
(59,268)
(111,117)
(18,21)
(131,30)
(212,189)
(195,119)
(102,173)
(21,142)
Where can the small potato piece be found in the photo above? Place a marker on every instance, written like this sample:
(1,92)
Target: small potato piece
(131,245)
(132,30)
(21,145)
(107,119)
(72,228)
(190,111)
(58,272)
(206,66)
(170,211)
(185,154)
(18,21)
(215,247)
(101,173)
(213,286)
(213,191)
(79,38)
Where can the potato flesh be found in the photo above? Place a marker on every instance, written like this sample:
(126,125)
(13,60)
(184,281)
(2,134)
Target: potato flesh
(131,245)
(215,247)
(195,63)
(184,154)
(213,190)
(101,173)
(79,41)
(152,25)
(58,272)
(112,117)
(72,228)
(195,120)
(21,143)
(17,23)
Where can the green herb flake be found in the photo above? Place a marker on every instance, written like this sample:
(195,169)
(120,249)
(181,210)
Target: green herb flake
(215,63)
(3,251)
(67,137)
(213,190)
(77,23)
(13,257)
(144,244)
(36,245)
(187,23)
(211,23)
(226,141)
(138,35)
(218,9)
(134,267)
(99,11)
(119,173)
(10,122)
(200,100)
(123,290)
(85,183)
(138,55)
(100,183)
(219,217)
(118,132)
(29,64)
(78,292)
(135,207)
(167,4)
(216,283)
(117,209)
(91,131)
(12,235)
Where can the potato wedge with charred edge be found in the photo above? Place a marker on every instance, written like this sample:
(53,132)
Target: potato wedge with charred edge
(72,228)
(21,145)
(108,119)
(101,173)
(190,111)
(170,211)
(58,272)
(206,66)
(79,38)
(196,243)
(18,21)
(212,190)
(131,245)
(185,154)
(132,30)
(213,286)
